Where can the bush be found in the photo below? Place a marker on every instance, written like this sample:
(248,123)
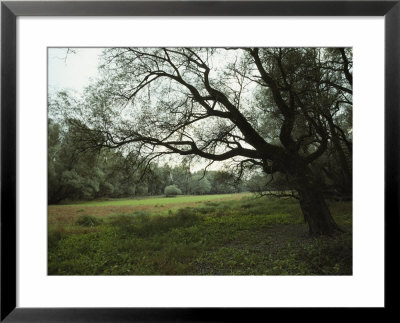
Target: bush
(172,190)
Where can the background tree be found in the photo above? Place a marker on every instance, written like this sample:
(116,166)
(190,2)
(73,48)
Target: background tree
(224,182)
(70,174)
(181,177)
(199,185)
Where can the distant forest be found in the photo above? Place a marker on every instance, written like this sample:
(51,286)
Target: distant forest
(74,174)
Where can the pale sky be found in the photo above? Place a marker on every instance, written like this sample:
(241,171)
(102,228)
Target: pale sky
(72,71)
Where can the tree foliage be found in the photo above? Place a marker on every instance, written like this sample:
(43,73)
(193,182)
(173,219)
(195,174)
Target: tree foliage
(199,185)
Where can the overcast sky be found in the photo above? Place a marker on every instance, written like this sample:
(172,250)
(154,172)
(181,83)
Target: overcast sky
(72,71)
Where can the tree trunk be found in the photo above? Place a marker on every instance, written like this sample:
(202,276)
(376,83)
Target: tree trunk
(315,210)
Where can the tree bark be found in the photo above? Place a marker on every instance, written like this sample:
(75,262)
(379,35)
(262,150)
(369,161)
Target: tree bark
(316,213)
(313,205)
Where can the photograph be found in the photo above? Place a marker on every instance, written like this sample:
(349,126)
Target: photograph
(200,161)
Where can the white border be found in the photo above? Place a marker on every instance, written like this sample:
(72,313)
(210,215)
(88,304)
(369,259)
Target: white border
(364,288)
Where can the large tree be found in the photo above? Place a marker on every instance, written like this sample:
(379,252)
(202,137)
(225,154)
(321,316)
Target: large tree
(277,109)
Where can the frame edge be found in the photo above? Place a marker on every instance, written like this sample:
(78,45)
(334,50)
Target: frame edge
(10,313)
(8,161)
(392,146)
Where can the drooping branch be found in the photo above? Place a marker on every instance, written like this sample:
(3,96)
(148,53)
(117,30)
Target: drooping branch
(346,64)
(286,110)
(232,113)
(172,146)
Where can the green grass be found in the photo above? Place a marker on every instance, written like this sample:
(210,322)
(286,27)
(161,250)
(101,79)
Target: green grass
(152,200)
(243,236)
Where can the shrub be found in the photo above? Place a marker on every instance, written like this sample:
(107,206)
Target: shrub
(88,221)
(172,190)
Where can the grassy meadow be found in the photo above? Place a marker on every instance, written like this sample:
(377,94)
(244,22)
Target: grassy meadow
(229,234)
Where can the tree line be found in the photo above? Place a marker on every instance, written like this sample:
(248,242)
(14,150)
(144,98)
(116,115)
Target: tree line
(74,174)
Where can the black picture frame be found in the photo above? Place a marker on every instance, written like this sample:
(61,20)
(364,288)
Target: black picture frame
(10,10)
